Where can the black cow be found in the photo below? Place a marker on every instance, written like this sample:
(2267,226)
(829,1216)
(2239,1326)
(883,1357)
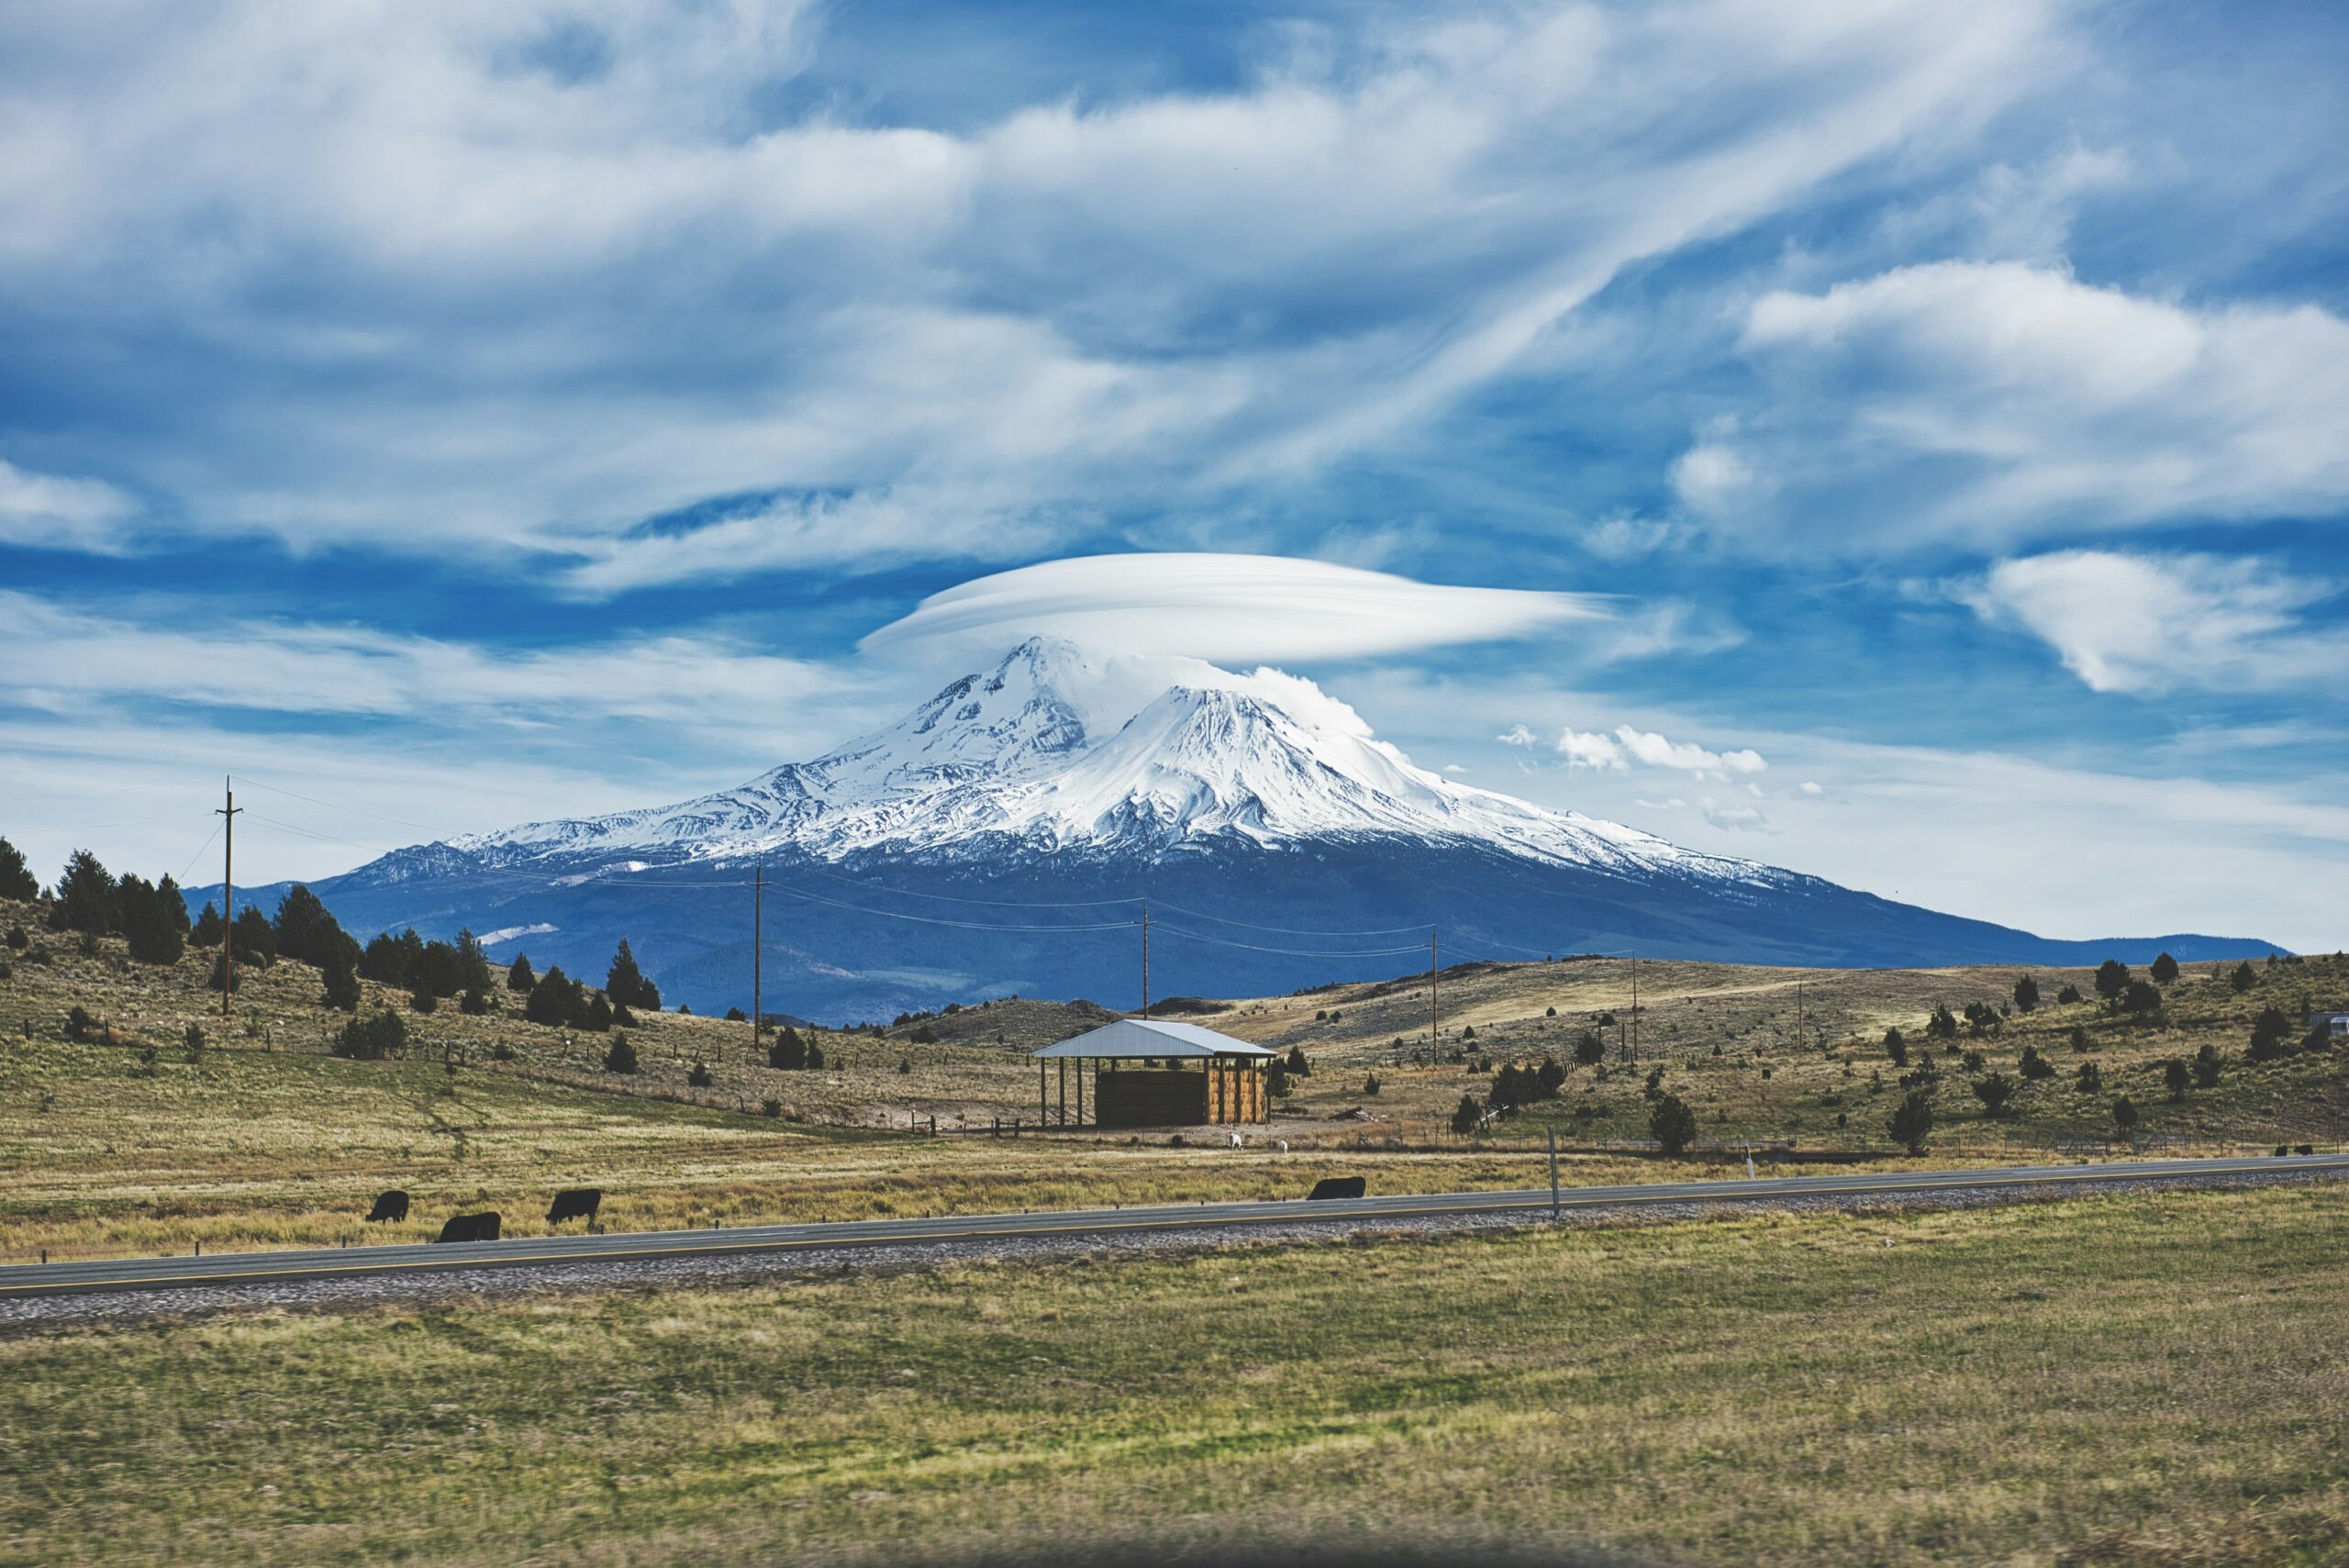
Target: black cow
(576,1203)
(388,1205)
(470,1228)
(1336,1187)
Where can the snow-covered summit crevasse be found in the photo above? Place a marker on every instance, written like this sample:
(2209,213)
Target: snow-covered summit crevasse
(1062,748)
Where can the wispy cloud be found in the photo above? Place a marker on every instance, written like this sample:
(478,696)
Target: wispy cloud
(2147,623)
(56,512)
(1989,401)
(1618,751)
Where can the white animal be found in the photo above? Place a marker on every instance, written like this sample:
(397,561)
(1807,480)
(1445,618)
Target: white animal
(1238,1141)
(1284,1143)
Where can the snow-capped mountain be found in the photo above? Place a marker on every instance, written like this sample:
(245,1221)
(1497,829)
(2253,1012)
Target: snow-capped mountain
(1059,749)
(1001,836)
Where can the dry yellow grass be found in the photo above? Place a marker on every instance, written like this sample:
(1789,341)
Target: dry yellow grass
(2146,1380)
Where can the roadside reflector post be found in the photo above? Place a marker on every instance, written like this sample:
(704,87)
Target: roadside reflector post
(1553,1175)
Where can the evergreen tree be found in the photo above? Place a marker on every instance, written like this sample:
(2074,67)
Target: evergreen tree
(341,977)
(439,969)
(256,939)
(2244,978)
(306,932)
(625,983)
(17,878)
(519,977)
(2165,970)
(209,927)
(1912,1120)
(2207,1066)
(2111,979)
(2026,994)
(423,1000)
(787,1052)
(1467,1115)
(1590,1048)
(2142,997)
(1549,1078)
(554,998)
(2124,1116)
(473,964)
(2069,996)
(1943,1025)
(1672,1123)
(1994,1090)
(147,923)
(1896,1045)
(372,1036)
(86,898)
(621,1057)
(174,905)
(1296,1063)
(2176,1077)
(2034,1066)
(2269,1032)
(599,1015)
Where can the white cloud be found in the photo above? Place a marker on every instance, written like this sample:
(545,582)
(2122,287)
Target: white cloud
(1810,788)
(1228,607)
(50,512)
(1582,750)
(1518,735)
(2149,623)
(1734,819)
(1615,754)
(324,670)
(1985,402)
(465,290)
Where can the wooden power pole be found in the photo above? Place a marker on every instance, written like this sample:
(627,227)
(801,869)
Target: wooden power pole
(228,814)
(1435,972)
(1145,971)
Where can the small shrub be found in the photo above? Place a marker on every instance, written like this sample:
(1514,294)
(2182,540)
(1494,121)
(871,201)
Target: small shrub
(372,1036)
(2091,1079)
(2033,1066)
(1370,1086)
(699,1077)
(771,1107)
(2244,978)
(2208,1064)
(194,1040)
(17,940)
(1994,1090)
(2069,996)
(1672,1123)
(621,1056)
(78,1023)
(2176,1077)
(2124,1116)
(905,1066)
(1912,1120)
(2080,1038)
(424,1001)
(1467,1115)
(501,1052)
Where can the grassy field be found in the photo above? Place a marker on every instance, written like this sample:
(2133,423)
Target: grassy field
(262,1138)
(2151,1380)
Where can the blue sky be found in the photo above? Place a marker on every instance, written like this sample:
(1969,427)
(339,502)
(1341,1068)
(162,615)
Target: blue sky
(470,414)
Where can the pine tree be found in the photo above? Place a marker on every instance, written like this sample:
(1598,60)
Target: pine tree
(787,1052)
(438,969)
(256,939)
(86,898)
(624,982)
(621,1057)
(306,932)
(2244,978)
(552,999)
(1672,1123)
(2165,970)
(1912,1120)
(2124,1116)
(209,927)
(473,963)
(519,977)
(2111,979)
(341,977)
(17,878)
(147,923)
(2026,994)
(599,1014)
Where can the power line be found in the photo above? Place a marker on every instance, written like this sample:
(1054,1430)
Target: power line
(1296,952)
(1298,931)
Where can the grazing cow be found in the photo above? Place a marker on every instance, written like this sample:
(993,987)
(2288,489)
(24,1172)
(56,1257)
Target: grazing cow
(576,1203)
(470,1228)
(390,1206)
(1336,1187)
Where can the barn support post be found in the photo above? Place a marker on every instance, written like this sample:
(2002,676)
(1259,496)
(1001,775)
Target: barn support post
(1043,1092)
(1063,1091)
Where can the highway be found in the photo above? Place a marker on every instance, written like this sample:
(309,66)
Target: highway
(228,1269)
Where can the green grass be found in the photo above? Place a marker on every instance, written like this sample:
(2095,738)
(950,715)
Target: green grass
(2127,1380)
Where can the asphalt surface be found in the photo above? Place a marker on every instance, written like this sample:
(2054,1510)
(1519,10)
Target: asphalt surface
(244,1269)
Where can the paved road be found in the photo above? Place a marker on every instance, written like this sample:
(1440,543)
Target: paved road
(276,1267)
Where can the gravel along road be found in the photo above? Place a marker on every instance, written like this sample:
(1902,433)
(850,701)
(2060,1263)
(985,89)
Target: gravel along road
(34,1295)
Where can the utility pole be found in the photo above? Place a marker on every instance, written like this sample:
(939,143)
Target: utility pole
(1435,968)
(1799,1017)
(228,814)
(1635,1008)
(1145,964)
(758,955)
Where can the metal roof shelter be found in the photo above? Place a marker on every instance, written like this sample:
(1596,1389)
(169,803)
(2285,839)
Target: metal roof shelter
(1228,1087)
